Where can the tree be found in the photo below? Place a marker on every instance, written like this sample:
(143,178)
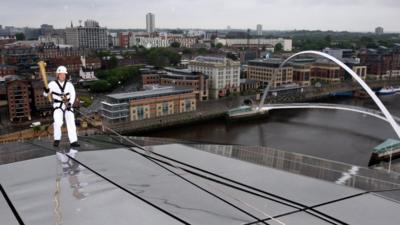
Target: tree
(175,44)
(366,41)
(113,62)
(219,45)
(202,51)
(187,51)
(100,86)
(102,54)
(278,47)
(328,39)
(161,57)
(20,36)
(232,56)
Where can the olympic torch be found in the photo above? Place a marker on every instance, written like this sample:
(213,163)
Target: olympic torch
(42,69)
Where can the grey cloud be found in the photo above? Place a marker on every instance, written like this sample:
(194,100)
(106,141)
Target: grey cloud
(273,14)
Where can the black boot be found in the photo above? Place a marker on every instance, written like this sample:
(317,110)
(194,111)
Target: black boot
(75,144)
(56,143)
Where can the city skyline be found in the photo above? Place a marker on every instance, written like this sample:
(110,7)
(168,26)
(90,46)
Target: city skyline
(336,15)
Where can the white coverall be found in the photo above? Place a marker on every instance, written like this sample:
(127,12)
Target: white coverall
(60,109)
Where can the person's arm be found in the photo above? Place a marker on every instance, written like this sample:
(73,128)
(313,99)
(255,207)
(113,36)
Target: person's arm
(72,95)
(46,91)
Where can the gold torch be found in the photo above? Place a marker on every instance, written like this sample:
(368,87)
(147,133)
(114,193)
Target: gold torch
(42,69)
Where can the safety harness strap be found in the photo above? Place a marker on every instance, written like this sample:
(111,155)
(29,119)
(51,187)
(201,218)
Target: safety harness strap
(62,88)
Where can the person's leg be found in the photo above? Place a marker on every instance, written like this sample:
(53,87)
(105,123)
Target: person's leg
(58,122)
(70,121)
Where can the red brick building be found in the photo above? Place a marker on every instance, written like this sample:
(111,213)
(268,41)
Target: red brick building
(159,106)
(40,103)
(124,38)
(18,100)
(55,52)
(380,62)
(151,78)
(7,70)
(140,105)
(73,63)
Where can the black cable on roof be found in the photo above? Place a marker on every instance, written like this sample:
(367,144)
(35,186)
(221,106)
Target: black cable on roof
(250,192)
(314,206)
(299,209)
(119,186)
(13,209)
(196,185)
(205,190)
(239,183)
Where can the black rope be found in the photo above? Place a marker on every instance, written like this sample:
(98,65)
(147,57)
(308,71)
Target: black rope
(203,189)
(247,191)
(314,206)
(239,183)
(244,190)
(250,187)
(194,184)
(117,185)
(13,209)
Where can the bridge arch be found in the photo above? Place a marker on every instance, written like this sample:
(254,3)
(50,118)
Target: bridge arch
(364,85)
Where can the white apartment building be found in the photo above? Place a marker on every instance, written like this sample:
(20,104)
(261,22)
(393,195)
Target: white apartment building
(90,36)
(286,43)
(224,74)
(149,42)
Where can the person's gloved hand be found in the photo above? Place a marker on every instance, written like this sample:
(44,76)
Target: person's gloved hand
(46,90)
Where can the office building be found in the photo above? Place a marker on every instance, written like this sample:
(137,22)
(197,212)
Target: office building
(89,36)
(223,73)
(150,23)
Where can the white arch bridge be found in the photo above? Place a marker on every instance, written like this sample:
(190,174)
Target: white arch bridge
(371,112)
(383,114)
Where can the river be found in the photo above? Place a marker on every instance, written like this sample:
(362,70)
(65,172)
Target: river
(331,134)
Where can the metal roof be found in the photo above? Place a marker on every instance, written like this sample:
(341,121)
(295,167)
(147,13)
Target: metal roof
(110,184)
(150,93)
(389,144)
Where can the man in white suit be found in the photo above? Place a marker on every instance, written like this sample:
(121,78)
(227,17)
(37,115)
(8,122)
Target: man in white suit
(63,94)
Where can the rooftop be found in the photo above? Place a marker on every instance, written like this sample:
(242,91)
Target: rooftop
(150,93)
(388,145)
(215,60)
(271,62)
(106,183)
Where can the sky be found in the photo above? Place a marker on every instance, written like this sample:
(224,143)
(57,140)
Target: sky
(337,15)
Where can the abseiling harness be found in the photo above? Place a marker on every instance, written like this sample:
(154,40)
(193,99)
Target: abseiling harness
(63,96)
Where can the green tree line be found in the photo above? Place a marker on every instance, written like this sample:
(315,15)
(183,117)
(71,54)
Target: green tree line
(111,79)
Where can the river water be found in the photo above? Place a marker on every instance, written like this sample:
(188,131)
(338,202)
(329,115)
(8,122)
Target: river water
(330,134)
